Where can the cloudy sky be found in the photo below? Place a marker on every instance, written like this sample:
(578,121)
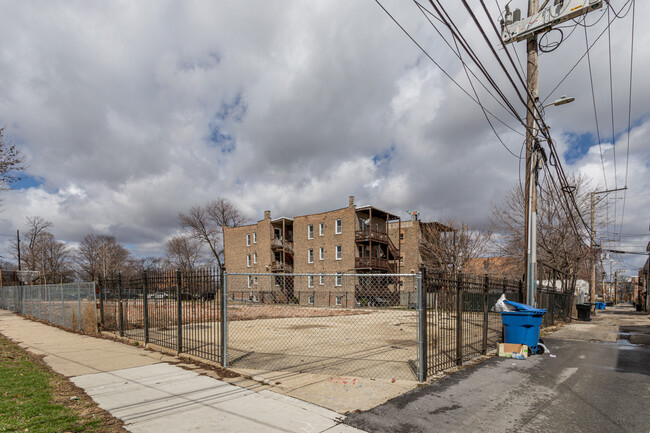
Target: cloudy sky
(130,112)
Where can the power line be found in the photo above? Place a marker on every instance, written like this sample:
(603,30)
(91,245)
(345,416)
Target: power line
(436,63)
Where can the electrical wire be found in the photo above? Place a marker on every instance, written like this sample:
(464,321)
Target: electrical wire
(629,116)
(434,62)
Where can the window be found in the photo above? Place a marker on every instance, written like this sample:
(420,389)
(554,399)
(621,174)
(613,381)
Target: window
(310,255)
(255,258)
(401,236)
(255,280)
(322,253)
(250,281)
(311,300)
(339,300)
(310,281)
(321,229)
(401,259)
(254,237)
(248,260)
(339,252)
(248,239)
(376,227)
(339,278)
(321,280)
(339,226)
(310,231)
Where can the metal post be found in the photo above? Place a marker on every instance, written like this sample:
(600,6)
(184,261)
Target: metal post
(145,306)
(422,327)
(49,302)
(95,308)
(120,312)
(179,312)
(224,321)
(100,289)
(459,319)
(486,288)
(79,306)
(62,307)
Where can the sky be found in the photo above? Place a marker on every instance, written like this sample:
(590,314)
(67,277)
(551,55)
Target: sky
(131,112)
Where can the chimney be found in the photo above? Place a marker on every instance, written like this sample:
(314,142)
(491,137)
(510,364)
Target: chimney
(267,214)
(351,201)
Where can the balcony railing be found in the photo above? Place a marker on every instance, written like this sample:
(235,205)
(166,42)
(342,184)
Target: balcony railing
(278,267)
(277,243)
(372,263)
(370,235)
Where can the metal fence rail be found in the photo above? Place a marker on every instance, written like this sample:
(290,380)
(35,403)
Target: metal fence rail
(179,310)
(69,305)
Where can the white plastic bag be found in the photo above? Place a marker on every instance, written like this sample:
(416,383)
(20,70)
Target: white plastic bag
(502,306)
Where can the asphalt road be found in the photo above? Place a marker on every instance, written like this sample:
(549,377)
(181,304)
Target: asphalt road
(586,387)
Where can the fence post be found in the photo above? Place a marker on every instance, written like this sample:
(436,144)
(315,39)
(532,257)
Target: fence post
(79,306)
(95,308)
(120,312)
(179,312)
(62,306)
(145,306)
(486,288)
(459,319)
(224,320)
(49,302)
(422,337)
(100,292)
(521,291)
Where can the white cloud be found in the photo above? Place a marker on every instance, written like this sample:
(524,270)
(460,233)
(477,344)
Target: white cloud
(132,112)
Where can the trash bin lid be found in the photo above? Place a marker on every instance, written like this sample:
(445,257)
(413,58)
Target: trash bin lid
(524,307)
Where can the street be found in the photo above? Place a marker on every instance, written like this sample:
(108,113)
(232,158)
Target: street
(593,382)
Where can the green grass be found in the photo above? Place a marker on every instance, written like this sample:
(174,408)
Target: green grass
(34,399)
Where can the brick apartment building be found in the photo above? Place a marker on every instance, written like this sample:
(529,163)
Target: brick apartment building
(350,240)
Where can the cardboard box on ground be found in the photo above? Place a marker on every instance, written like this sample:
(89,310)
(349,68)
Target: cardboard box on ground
(508,350)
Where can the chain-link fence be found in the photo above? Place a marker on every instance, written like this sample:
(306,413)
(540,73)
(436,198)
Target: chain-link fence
(334,324)
(69,305)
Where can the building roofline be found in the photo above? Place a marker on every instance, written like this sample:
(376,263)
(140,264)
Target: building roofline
(391,215)
(280,219)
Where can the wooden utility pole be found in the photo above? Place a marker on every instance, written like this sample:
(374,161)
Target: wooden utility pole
(531,193)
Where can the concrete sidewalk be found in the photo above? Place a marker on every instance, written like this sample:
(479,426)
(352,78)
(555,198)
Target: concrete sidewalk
(151,394)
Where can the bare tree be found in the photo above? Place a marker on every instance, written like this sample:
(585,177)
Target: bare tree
(100,254)
(453,244)
(561,234)
(11,163)
(184,252)
(205,223)
(44,253)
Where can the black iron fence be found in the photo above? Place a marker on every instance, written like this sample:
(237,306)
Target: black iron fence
(404,326)
(179,310)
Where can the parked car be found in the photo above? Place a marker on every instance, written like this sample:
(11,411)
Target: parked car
(158,295)
(207,296)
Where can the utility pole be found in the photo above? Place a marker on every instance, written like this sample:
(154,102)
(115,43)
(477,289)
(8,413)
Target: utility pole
(18,244)
(592,243)
(616,300)
(531,161)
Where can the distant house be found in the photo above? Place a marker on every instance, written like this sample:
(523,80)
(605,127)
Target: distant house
(503,267)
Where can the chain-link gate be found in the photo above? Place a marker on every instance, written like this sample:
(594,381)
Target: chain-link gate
(333,324)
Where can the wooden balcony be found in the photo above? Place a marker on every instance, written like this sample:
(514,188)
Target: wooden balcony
(373,263)
(279,267)
(370,235)
(277,244)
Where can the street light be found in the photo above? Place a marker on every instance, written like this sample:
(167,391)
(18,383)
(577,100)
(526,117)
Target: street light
(531,244)
(564,99)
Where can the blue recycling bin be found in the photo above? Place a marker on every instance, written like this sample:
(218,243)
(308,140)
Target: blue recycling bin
(522,326)
(600,305)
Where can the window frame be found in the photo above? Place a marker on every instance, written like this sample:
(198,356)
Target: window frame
(248,239)
(254,237)
(310,255)
(338,226)
(339,279)
(339,252)
(310,281)
(321,229)
(321,253)
(254,258)
(321,280)
(248,260)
